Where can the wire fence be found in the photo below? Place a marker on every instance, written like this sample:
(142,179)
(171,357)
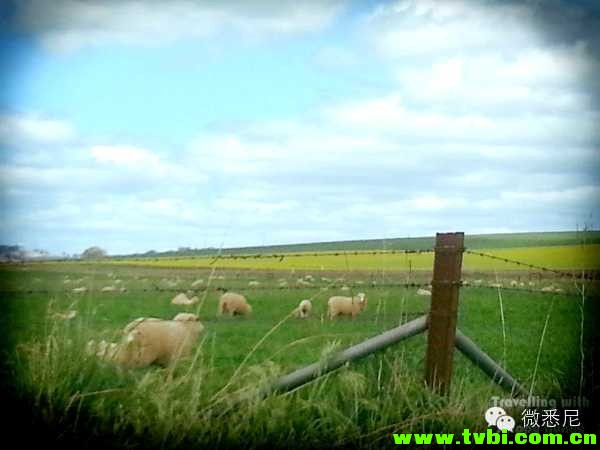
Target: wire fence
(562,273)
(581,275)
(217,257)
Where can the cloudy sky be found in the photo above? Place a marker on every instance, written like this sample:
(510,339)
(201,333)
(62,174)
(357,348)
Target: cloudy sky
(138,125)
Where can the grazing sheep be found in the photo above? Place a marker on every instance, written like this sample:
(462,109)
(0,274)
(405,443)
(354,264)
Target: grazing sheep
(303,309)
(79,290)
(514,283)
(253,283)
(283,284)
(478,282)
(123,289)
(182,299)
(108,289)
(197,283)
(532,283)
(154,341)
(423,292)
(351,306)
(345,288)
(496,285)
(233,303)
(548,289)
(67,281)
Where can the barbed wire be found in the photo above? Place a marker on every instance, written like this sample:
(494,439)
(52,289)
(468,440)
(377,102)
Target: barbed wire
(533,266)
(280,256)
(215,288)
(518,289)
(266,287)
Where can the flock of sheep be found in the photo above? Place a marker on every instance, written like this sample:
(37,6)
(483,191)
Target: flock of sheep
(147,341)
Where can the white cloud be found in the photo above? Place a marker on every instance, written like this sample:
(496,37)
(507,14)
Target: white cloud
(23,129)
(418,28)
(124,155)
(67,25)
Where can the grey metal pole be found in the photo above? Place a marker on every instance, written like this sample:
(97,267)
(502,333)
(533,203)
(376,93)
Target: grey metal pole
(308,373)
(488,365)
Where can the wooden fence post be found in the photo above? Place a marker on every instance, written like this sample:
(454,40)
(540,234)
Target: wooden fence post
(445,286)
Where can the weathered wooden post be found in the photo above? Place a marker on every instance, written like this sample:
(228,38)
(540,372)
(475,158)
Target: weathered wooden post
(445,286)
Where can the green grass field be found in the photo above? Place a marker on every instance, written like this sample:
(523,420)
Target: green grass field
(360,405)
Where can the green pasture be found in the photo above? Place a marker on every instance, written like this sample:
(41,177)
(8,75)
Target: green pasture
(194,404)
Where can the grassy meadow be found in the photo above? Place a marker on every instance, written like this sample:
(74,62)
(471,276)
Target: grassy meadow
(538,337)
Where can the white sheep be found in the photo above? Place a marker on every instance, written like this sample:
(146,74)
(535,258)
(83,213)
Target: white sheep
(548,289)
(253,283)
(423,292)
(155,341)
(182,299)
(304,308)
(198,282)
(514,283)
(108,289)
(79,290)
(233,303)
(351,306)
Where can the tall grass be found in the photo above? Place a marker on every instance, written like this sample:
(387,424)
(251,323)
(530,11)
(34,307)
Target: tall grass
(174,406)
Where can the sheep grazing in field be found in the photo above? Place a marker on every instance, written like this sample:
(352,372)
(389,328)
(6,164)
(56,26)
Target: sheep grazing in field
(79,290)
(496,285)
(253,283)
(548,289)
(304,308)
(232,304)
(70,314)
(349,306)
(197,283)
(514,283)
(182,299)
(283,284)
(345,288)
(423,292)
(154,341)
(108,289)
(478,282)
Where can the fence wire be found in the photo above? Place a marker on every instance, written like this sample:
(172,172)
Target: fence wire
(533,266)
(353,287)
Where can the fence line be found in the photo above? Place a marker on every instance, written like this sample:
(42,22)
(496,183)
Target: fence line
(530,266)
(280,256)
(369,285)
(216,288)
(515,289)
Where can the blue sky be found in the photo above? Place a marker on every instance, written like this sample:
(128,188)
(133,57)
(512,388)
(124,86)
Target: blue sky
(154,125)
